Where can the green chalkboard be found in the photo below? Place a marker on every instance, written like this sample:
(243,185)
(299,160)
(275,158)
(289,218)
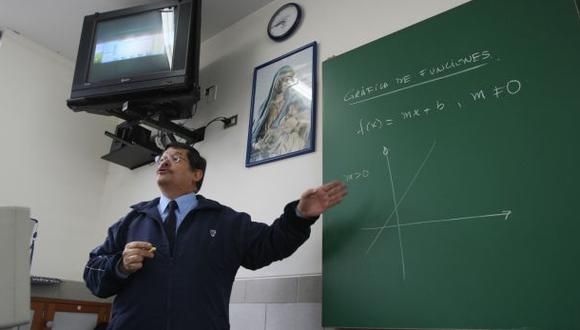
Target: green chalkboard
(458,138)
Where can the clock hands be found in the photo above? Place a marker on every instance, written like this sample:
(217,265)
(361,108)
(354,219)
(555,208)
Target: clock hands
(282,22)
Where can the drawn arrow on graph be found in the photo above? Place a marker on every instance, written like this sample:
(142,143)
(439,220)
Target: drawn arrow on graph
(505,214)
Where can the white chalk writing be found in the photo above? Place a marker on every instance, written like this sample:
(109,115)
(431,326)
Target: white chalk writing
(422,112)
(357,175)
(452,67)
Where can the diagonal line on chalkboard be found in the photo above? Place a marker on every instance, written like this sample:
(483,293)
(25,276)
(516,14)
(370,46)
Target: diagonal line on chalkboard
(419,84)
(403,196)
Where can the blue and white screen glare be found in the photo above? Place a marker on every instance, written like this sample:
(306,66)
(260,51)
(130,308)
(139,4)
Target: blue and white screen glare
(134,45)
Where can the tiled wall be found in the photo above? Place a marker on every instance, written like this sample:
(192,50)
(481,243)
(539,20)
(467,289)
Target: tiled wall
(290,316)
(293,303)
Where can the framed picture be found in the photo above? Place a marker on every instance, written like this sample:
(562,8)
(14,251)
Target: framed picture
(283,113)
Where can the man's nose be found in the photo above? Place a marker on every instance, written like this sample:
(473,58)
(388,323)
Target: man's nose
(164,163)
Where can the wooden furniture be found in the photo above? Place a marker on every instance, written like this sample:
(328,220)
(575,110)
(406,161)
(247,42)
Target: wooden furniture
(46,312)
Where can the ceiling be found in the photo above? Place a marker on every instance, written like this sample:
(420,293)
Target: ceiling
(56,24)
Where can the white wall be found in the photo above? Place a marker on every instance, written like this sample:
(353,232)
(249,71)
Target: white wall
(228,60)
(51,155)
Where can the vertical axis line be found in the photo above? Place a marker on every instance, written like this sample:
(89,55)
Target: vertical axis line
(397,216)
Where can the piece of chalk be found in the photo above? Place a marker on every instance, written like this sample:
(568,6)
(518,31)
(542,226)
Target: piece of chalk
(153,249)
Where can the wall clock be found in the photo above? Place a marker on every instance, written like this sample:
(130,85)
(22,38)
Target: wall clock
(284,21)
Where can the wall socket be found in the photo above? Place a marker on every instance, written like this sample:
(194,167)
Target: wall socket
(230,121)
(210,94)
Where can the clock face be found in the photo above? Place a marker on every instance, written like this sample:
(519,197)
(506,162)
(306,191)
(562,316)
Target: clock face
(284,21)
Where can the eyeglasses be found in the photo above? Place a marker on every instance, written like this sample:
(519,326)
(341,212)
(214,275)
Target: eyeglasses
(175,159)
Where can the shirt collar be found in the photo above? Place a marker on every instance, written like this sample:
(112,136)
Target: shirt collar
(183,202)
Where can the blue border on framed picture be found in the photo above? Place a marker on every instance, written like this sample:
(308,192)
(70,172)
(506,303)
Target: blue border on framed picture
(283,112)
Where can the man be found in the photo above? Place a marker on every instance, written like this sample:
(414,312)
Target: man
(172,261)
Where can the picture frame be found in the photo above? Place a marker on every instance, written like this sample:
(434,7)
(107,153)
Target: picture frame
(282,120)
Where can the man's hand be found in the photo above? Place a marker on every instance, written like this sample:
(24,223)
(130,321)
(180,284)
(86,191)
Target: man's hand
(133,256)
(315,201)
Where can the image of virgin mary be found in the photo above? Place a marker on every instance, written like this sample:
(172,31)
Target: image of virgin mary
(282,124)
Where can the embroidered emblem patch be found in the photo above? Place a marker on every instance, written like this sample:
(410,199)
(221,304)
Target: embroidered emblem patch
(212,232)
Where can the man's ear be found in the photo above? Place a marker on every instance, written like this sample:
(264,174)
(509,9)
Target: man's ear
(197,175)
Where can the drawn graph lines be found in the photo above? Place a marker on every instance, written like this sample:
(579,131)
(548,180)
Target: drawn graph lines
(386,153)
(404,193)
(505,214)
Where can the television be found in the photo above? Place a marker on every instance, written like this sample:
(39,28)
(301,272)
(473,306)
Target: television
(147,56)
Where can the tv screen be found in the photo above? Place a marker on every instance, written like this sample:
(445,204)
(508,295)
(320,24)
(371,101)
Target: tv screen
(147,54)
(134,45)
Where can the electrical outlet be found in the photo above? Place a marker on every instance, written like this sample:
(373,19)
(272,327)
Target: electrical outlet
(230,121)
(210,94)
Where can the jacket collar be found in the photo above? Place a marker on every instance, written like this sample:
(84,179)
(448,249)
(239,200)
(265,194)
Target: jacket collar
(150,207)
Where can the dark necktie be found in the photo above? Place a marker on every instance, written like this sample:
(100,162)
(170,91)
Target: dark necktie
(170,223)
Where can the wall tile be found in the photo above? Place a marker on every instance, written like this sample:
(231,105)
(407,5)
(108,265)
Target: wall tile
(302,316)
(278,290)
(238,292)
(247,316)
(310,289)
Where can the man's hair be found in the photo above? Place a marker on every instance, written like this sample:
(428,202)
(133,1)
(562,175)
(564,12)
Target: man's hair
(196,162)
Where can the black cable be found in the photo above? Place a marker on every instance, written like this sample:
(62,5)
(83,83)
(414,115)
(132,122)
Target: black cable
(33,239)
(222,119)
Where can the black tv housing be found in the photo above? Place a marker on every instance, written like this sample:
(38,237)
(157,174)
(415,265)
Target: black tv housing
(149,89)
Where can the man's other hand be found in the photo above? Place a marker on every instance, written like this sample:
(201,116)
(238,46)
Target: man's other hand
(133,256)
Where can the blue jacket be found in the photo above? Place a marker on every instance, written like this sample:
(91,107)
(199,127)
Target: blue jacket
(191,289)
